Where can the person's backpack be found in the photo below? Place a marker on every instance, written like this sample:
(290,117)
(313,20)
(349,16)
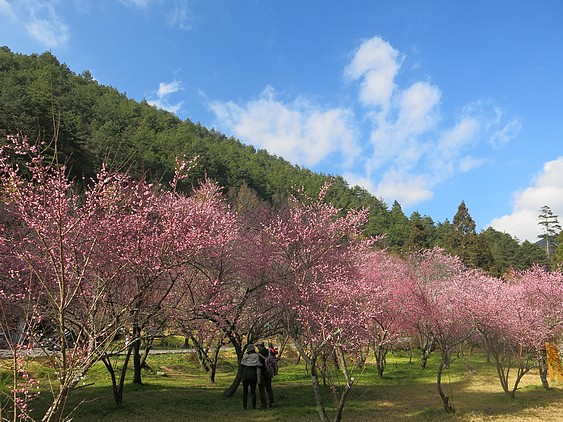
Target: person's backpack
(271,364)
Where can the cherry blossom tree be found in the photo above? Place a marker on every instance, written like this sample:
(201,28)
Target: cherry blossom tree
(386,286)
(516,318)
(544,294)
(439,307)
(23,388)
(227,285)
(315,259)
(164,245)
(56,253)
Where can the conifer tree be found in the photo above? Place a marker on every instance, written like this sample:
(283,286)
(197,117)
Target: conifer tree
(461,239)
(551,228)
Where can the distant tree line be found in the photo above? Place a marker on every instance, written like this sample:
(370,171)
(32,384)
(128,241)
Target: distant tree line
(85,124)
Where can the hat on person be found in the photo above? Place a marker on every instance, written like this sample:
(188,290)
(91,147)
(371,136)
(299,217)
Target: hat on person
(250,348)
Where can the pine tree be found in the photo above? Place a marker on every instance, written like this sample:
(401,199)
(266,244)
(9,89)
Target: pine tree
(551,228)
(422,233)
(399,227)
(461,240)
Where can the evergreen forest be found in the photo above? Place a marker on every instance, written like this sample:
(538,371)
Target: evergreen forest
(85,124)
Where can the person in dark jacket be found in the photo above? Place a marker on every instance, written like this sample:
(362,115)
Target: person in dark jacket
(265,384)
(251,367)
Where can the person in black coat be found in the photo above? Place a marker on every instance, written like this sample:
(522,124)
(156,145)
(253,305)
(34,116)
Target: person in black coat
(265,384)
(251,367)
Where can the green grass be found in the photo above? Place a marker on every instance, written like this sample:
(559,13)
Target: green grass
(177,390)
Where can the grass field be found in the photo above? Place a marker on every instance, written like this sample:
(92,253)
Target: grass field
(176,390)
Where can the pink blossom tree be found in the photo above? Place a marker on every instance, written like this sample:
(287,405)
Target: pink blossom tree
(439,307)
(544,294)
(56,249)
(13,324)
(516,318)
(162,245)
(386,287)
(227,285)
(315,258)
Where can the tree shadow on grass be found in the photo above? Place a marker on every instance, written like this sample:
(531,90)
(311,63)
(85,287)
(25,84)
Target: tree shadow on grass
(392,399)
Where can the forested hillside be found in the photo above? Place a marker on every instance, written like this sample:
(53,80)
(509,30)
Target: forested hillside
(86,124)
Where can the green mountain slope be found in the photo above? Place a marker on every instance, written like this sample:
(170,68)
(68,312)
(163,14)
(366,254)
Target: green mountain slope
(94,124)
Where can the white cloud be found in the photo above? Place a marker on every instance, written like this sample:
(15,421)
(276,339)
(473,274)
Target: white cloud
(141,4)
(179,16)
(458,137)
(417,108)
(410,153)
(162,94)
(6,9)
(49,32)
(546,189)
(410,150)
(468,163)
(300,131)
(376,62)
(40,19)
(167,88)
(395,139)
(175,14)
(506,133)
(354,179)
(405,187)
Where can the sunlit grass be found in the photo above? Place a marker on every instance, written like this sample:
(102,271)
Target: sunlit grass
(178,390)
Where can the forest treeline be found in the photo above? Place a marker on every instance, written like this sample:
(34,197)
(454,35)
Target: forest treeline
(86,124)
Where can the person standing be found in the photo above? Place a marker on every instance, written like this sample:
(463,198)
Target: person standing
(251,369)
(265,384)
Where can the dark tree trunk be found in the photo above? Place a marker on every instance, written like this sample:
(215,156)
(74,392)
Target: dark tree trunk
(146,351)
(214,363)
(230,391)
(444,362)
(543,369)
(118,385)
(380,359)
(137,379)
(201,355)
(424,355)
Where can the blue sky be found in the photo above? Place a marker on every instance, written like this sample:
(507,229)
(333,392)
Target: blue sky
(425,102)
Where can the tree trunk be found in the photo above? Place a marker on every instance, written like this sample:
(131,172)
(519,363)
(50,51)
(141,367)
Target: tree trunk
(523,369)
(230,391)
(424,355)
(146,351)
(502,375)
(317,392)
(118,385)
(426,342)
(118,400)
(543,369)
(445,399)
(347,388)
(282,346)
(503,370)
(137,378)
(214,362)
(201,354)
(380,356)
